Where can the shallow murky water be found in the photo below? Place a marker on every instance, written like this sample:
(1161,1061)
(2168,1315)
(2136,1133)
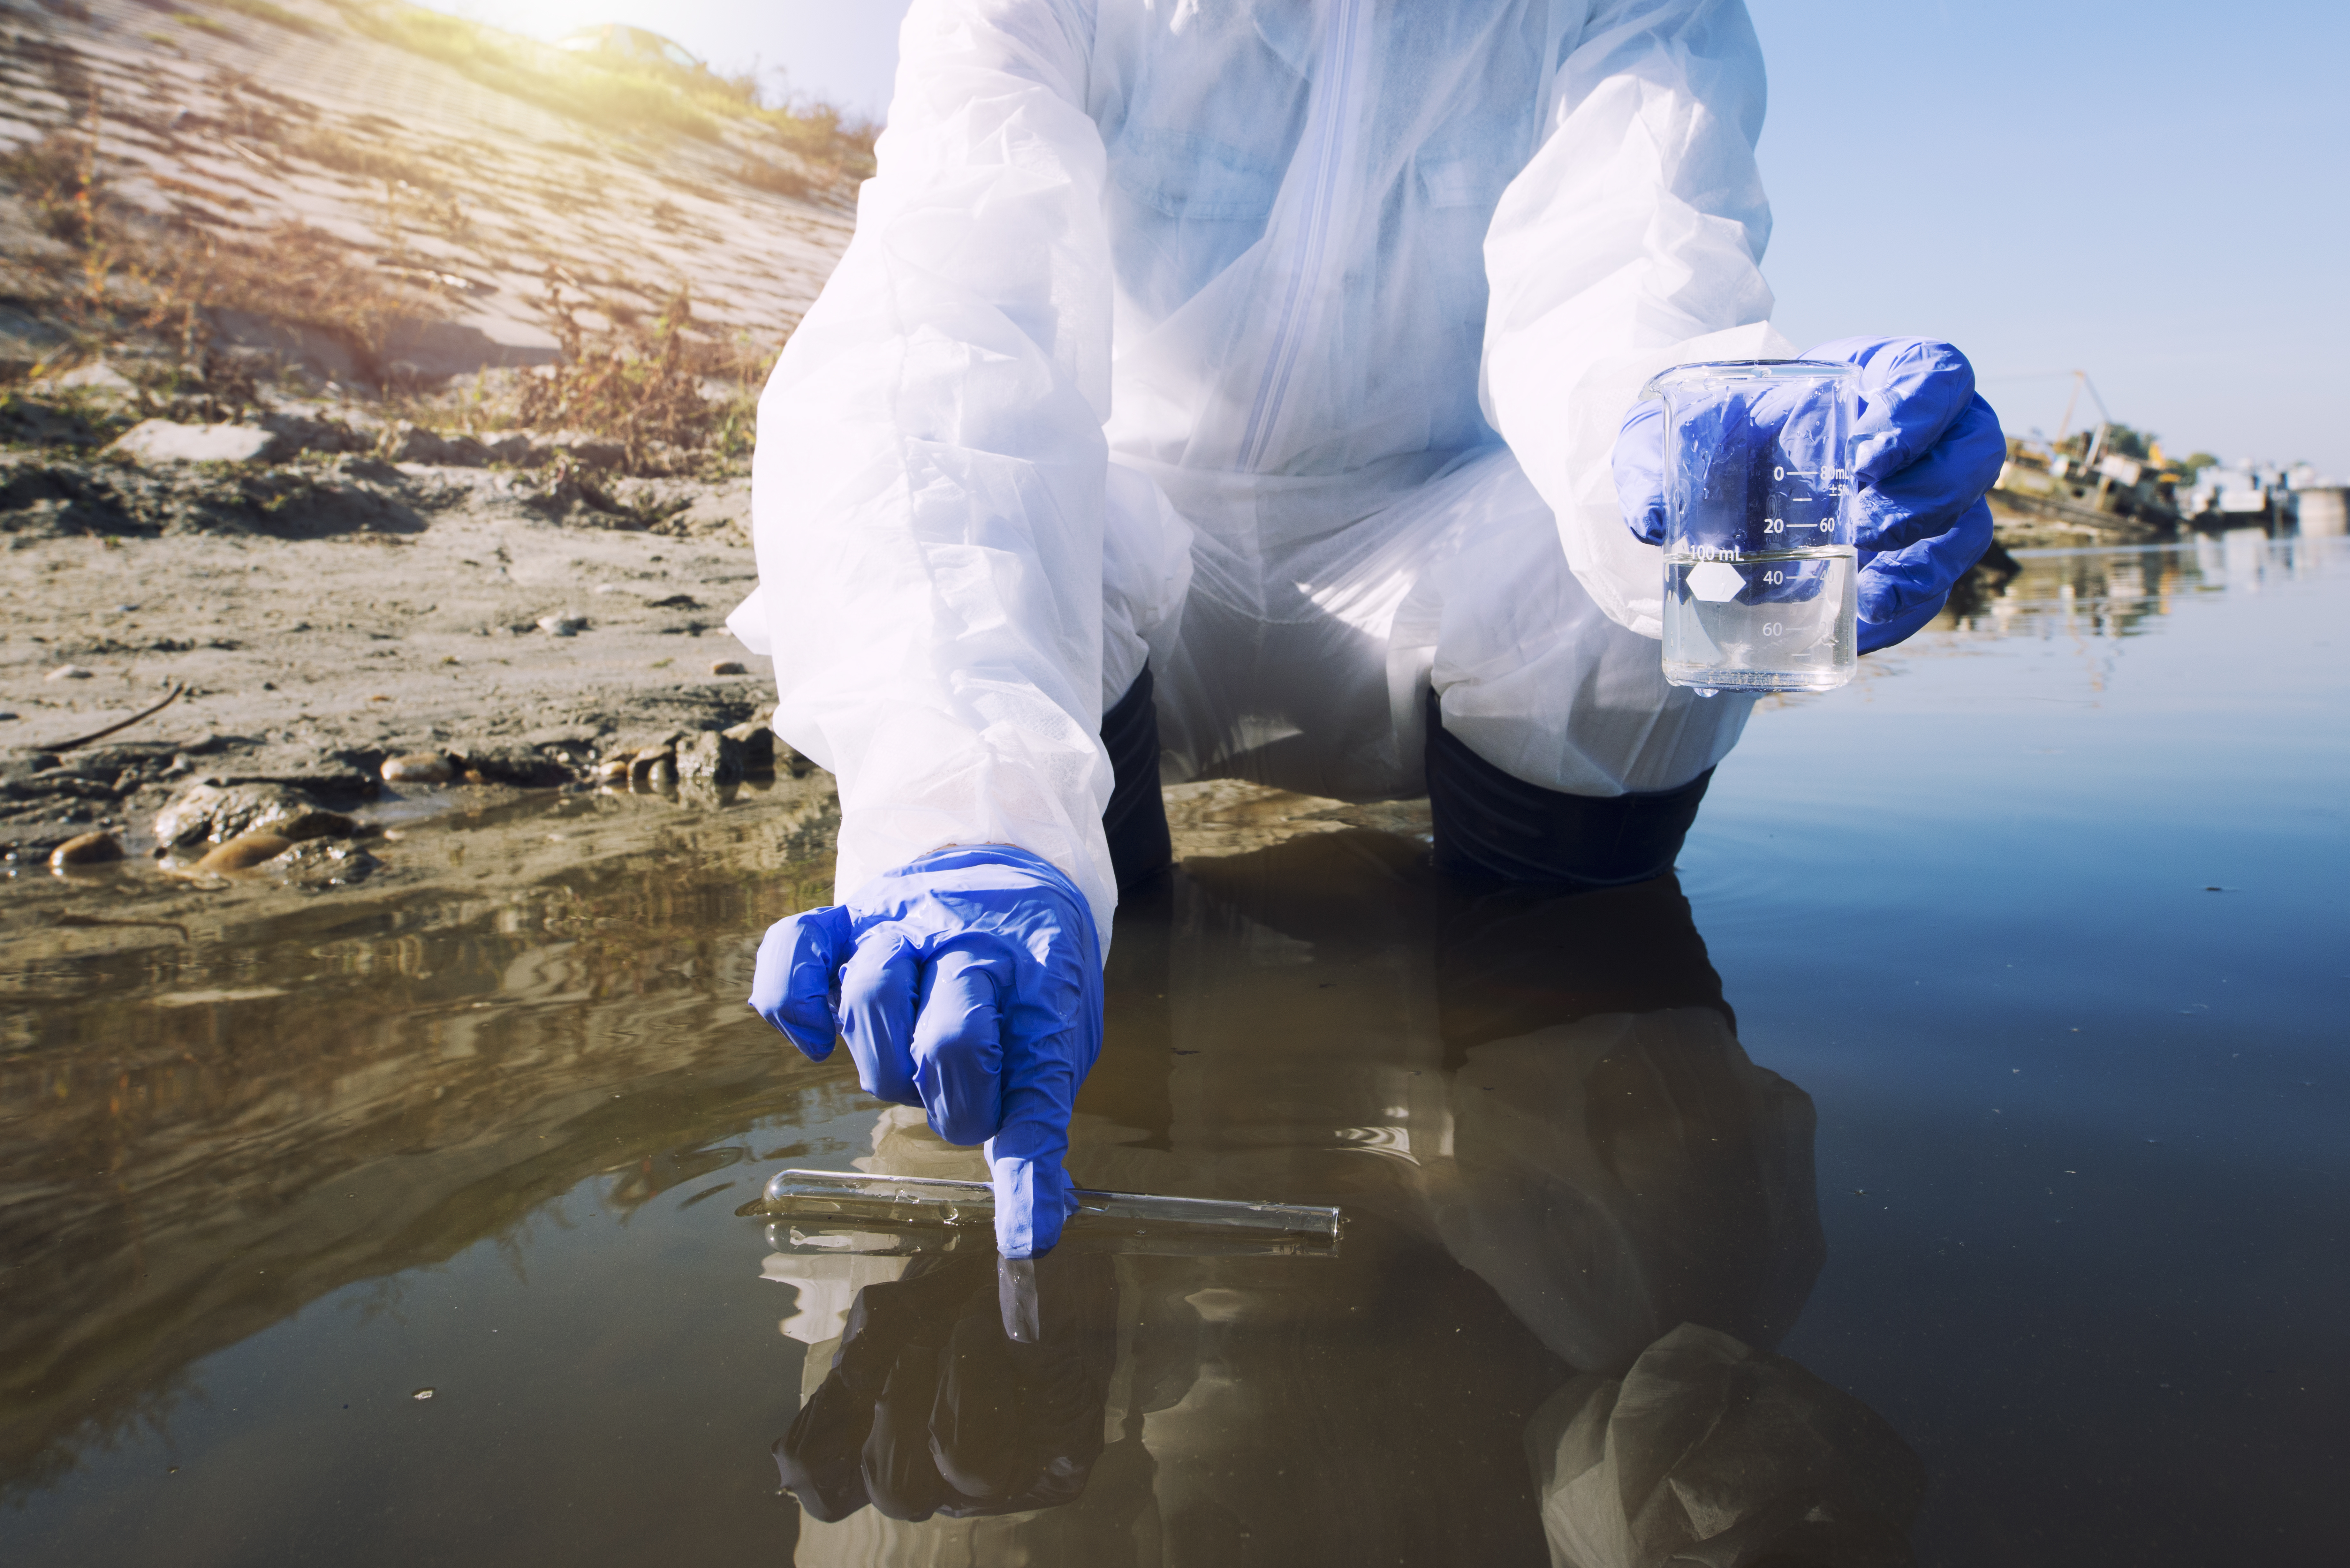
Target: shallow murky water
(1976,1095)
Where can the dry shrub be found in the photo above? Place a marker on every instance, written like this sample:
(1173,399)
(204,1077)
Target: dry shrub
(818,132)
(57,177)
(642,384)
(639,386)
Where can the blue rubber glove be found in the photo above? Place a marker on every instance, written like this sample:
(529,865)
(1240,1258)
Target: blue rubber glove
(968,982)
(1926,448)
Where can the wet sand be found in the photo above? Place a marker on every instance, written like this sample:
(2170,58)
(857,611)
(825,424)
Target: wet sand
(328,655)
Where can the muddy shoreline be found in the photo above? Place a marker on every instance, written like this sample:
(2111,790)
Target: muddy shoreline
(529,650)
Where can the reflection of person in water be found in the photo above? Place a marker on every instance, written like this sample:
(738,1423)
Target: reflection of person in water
(970,1386)
(1558,1298)
(1641,1194)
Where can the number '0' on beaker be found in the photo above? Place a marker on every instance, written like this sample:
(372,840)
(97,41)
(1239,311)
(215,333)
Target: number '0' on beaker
(1759,559)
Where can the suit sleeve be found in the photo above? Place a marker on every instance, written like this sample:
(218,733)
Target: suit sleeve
(927,486)
(1631,242)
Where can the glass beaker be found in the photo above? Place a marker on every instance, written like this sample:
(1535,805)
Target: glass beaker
(1759,558)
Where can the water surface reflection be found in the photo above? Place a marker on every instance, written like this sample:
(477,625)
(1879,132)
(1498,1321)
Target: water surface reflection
(2044,914)
(1579,1220)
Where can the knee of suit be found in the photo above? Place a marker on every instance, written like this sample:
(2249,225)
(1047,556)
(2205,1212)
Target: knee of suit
(1136,820)
(1493,825)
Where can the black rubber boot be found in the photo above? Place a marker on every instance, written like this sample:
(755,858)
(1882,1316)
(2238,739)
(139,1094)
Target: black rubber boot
(1135,822)
(1489,824)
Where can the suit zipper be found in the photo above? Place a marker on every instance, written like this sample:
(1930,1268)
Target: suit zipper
(1330,135)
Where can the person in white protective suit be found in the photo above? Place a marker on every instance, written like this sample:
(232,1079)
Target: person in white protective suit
(1229,386)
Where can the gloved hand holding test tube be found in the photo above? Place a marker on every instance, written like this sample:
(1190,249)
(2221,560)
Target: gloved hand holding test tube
(968,982)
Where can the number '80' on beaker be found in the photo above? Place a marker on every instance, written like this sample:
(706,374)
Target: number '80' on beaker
(1759,561)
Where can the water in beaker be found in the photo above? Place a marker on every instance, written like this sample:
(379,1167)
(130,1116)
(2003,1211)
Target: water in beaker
(1760,591)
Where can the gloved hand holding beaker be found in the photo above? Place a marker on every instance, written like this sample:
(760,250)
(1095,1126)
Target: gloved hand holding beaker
(1925,449)
(968,982)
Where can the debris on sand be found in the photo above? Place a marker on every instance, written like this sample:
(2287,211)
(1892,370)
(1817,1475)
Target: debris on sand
(422,768)
(218,813)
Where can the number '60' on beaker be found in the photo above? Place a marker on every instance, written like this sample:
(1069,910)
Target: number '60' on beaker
(1759,559)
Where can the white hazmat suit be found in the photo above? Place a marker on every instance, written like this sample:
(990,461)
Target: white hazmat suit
(1280,343)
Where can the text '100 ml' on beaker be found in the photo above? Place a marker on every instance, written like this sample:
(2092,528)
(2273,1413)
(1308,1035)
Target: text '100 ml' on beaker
(1759,561)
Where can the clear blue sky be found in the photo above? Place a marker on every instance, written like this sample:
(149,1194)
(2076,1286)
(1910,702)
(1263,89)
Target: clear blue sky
(2153,193)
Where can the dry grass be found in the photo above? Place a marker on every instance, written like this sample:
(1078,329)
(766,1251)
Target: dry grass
(264,11)
(774,179)
(674,393)
(591,93)
(300,276)
(346,155)
(613,94)
(122,272)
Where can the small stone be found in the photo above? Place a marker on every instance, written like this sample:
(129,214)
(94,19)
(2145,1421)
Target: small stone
(308,825)
(70,672)
(322,864)
(161,441)
(419,768)
(414,443)
(422,1393)
(97,375)
(714,755)
(584,450)
(562,625)
(522,766)
(86,849)
(758,742)
(244,852)
(728,666)
(613,768)
(298,432)
(217,813)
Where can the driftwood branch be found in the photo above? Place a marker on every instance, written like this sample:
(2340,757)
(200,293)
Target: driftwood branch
(116,729)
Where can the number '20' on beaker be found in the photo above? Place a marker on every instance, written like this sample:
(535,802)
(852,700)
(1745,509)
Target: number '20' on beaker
(1759,558)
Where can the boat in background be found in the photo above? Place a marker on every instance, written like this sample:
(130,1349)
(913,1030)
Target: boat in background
(2240,496)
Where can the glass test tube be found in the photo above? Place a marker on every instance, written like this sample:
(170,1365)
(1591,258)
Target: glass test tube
(851,1203)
